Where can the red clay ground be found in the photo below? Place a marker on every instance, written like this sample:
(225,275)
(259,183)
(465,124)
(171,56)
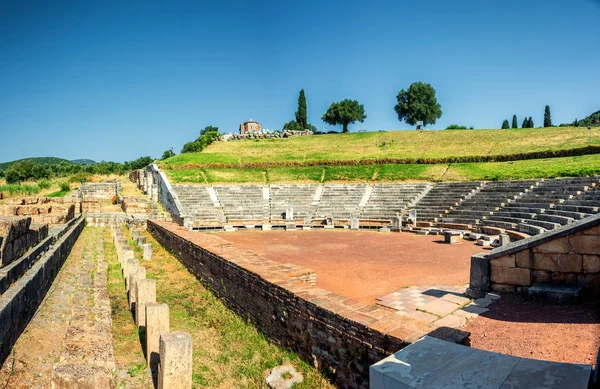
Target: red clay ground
(531,330)
(364,265)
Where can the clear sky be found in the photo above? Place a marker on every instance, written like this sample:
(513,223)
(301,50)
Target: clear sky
(116,80)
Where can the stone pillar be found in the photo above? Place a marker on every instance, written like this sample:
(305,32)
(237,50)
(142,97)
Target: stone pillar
(175,368)
(147,251)
(138,274)
(480,281)
(396,223)
(504,239)
(135,234)
(154,193)
(141,240)
(145,292)
(354,223)
(157,324)
(130,265)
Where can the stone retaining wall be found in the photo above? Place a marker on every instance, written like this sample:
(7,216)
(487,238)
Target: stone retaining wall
(114,219)
(569,255)
(341,336)
(19,303)
(18,235)
(99,190)
(45,210)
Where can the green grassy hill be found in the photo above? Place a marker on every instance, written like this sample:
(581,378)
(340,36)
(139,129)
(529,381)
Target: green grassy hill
(45,160)
(314,158)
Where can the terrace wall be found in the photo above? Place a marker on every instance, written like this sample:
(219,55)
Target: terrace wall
(569,255)
(341,336)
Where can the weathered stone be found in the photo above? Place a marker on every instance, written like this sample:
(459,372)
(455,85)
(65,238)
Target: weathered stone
(541,277)
(523,259)
(511,275)
(505,260)
(141,240)
(591,263)
(157,324)
(283,377)
(175,368)
(480,273)
(135,234)
(560,245)
(145,292)
(147,251)
(439,307)
(584,244)
(570,263)
(138,273)
(545,261)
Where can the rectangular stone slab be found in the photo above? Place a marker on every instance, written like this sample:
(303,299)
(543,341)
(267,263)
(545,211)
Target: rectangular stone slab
(435,364)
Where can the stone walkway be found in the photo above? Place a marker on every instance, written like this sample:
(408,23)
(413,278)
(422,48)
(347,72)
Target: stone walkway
(69,339)
(440,306)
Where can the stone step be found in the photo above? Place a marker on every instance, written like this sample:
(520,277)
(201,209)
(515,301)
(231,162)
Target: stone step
(555,293)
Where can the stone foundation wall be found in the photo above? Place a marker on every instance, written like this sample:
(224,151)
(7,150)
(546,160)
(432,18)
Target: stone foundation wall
(567,256)
(44,210)
(19,303)
(339,335)
(135,205)
(99,190)
(116,219)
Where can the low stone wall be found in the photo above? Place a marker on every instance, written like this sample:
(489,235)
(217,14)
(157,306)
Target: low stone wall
(19,303)
(99,190)
(45,210)
(166,195)
(17,235)
(569,255)
(135,205)
(339,335)
(114,219)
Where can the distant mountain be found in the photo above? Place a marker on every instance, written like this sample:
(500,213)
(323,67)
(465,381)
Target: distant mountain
(46,160)
(84,161)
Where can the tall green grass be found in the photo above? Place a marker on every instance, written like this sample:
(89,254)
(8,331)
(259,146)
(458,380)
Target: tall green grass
(22,189)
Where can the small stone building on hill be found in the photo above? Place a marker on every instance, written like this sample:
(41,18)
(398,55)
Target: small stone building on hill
(250,127)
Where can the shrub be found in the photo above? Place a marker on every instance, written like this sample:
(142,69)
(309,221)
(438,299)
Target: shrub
(64,186)
(456,127)
(44,183)
(115,200)
(13,176)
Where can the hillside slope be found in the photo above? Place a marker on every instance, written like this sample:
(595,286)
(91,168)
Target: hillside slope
(46,160)
(391,144)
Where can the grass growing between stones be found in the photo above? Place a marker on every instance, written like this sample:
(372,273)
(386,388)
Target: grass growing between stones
(129,357)
(228,352)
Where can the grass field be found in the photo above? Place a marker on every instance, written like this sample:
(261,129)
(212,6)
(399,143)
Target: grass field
(585,165)
(391,144)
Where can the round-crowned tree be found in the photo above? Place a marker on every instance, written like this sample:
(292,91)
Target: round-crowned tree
(418,104)
(344,112)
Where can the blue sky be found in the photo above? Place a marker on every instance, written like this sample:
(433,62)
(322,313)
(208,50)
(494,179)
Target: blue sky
(108,81)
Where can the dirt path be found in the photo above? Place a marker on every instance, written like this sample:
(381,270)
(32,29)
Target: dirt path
(70,335)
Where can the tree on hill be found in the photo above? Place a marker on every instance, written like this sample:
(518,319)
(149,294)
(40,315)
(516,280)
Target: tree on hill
(418,104)
(301,117)
(505,125)
(531,122)
(514,122)
(167,154)
(207,136)
(547,117)
(344,112)
(525,123)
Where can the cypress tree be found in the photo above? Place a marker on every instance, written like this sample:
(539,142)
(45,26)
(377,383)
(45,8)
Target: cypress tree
(525,123)
(547,118)
(530,122)
(301,114)
(505,124)
(514,122)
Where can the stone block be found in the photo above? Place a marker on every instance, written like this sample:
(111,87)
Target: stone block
(147,251)
(135,234)
(505,260)
(440,307)
(138,273)
(157,324)
(480,273)
(570,263)
(511,275)
(145,292)
(175,368)
(541,277)
(523,259)
(584,244)
(141,240)
(545,261)
(591,263)
(560,246)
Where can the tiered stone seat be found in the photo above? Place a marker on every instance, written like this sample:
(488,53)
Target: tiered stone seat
(242,203)
(339,201)
(487,201)
(442,198)
(587,202)
(299,197)
(388,199)
(197,203)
